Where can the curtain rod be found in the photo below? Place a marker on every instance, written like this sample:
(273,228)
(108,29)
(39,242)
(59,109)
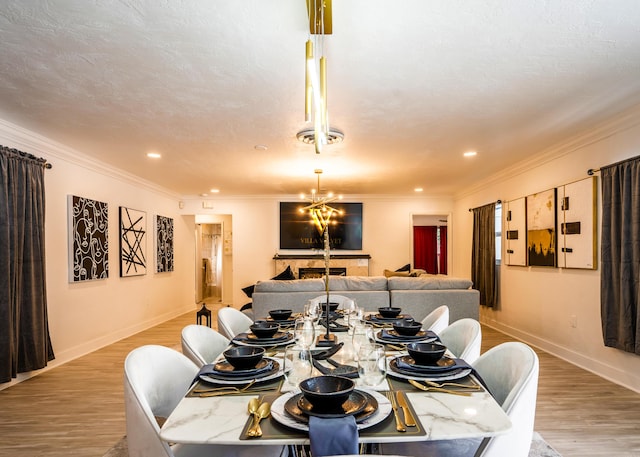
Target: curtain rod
(591,171)
(42,160)
(497,202)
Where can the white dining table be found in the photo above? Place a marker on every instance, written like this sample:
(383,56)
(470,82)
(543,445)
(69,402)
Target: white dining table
(442,416)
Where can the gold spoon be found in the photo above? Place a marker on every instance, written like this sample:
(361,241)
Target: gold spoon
(253,406)
(263,412)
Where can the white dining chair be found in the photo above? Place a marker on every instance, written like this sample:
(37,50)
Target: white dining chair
(341,300)
(463,339)
(202,344)
(231,322)
(155,380)
(510,371)
(437,320)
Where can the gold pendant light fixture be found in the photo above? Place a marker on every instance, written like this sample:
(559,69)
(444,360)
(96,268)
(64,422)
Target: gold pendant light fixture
(319,209)
(315,98)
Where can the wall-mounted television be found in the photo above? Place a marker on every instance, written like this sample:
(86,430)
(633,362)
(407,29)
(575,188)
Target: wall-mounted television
(297,231)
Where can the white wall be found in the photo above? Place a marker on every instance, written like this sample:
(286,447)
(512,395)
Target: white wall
(86,316)
(537,303)
(387,232)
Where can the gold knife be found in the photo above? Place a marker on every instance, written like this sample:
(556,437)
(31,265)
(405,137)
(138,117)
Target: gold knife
(409,420)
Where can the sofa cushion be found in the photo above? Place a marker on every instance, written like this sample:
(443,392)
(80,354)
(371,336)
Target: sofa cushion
(429,282)
(357,283)
(286,274)
(294,285)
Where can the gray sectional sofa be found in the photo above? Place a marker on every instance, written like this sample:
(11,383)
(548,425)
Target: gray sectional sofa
(417,296)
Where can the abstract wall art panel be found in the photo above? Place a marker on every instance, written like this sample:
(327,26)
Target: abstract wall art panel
(88,239)
(577,247)
(164,244)
(541,229)
(133,231)
(514,233)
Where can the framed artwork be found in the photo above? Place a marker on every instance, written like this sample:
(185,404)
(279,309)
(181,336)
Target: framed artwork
(577,241)
(133,230)
(541,229)
(88,231)
(164,244)
(514,233)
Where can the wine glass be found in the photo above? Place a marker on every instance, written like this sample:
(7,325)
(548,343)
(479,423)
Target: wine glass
(305,332)
(313,310)
(362,335)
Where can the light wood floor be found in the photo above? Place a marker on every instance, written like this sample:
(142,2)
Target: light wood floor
(77,409)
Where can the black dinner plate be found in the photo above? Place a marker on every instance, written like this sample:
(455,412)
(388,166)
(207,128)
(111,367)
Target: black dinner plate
(389,336)
(244,377)
(277,337)
(393,367)
(224,368)
(353,405)
(406,362)
(380,318)
(292,409)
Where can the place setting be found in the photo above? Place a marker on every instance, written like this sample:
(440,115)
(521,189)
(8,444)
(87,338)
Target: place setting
(285,318)
(264,334)
(329,397)
(404,331)
(243,369)
(428,362)
(385,316)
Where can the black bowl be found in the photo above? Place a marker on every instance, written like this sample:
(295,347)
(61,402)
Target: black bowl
(389,311)
(264,329)
(244,357)
(280,314)
(426,353)
(327,392)
(407,327)
(332,306)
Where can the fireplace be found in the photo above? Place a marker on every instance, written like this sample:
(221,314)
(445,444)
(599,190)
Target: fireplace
(306,273)
(341,264)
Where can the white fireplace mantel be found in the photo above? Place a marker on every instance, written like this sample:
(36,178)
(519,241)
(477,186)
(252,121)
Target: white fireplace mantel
(356,264)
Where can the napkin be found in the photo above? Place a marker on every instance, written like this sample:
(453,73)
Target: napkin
(333,436)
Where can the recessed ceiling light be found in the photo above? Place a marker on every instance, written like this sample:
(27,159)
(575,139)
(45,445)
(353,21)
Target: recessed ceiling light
(153,155)
(260,147)
(418,189)
(470,153)
(215,191)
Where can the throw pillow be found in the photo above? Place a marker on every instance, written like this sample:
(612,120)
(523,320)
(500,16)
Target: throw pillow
(389,273)
(406,267)
(285,275)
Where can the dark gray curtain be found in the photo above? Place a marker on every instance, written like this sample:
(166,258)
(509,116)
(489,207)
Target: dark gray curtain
(483,254)
(24,331)
(620,274)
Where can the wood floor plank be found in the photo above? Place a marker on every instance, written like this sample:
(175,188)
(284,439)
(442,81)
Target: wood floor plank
(78,409)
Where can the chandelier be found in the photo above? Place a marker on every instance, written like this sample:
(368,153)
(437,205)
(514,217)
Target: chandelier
(315,98)
(319,209)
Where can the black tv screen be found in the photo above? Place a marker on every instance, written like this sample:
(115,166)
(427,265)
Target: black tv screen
(298,232)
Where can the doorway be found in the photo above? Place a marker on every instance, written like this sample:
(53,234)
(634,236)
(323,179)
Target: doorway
(430,243)
(213,259)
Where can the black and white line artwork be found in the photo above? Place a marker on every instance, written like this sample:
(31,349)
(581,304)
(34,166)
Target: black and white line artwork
(133,229)
(164,244)
(88,239)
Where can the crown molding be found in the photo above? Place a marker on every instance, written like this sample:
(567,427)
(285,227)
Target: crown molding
(623,121)
(33,143)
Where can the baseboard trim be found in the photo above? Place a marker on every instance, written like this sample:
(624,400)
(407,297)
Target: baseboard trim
(98,343)
(608,372)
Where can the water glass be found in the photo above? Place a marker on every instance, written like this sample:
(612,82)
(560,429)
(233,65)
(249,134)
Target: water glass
(372,364)
(362,335)
(297,365)
(305,332)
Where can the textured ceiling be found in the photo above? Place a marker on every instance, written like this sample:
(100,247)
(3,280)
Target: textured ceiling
(412,83)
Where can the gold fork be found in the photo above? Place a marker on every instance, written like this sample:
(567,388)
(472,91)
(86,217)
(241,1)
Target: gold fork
(218,389)
(394,405)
